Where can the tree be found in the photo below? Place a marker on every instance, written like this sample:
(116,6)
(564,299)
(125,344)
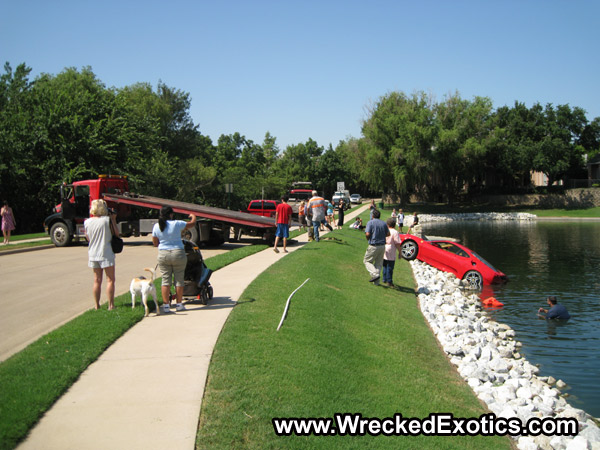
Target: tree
(557,152)
(590,137)
(299,162)
(329,170)
(460,148)
(398,139)
(18,135)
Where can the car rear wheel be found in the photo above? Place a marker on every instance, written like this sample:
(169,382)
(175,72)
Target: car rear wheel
(473,279)
(409,250)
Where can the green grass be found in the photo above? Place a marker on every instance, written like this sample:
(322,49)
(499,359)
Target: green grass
(20,237)
(33,379)
(18,245)
(345,347)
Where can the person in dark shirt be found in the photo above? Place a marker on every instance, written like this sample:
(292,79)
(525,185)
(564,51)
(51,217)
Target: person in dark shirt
(556,311)
(376,233)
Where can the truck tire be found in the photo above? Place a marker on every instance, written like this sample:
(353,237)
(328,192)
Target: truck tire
(191,234)
(60,234)
(215,238)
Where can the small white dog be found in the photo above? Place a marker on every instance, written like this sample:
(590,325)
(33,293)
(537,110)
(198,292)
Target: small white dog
(144,287)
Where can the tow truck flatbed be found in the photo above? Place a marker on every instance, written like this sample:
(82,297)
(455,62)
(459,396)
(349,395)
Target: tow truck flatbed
(205,212)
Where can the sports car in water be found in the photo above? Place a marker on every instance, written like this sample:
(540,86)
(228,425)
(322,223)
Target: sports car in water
(451,257)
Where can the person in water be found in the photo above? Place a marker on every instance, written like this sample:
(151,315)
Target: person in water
(556,311)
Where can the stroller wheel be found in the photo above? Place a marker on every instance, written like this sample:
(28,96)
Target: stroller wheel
(204,295)
(210,291)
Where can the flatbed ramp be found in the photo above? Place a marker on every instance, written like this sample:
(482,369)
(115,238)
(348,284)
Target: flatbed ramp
(205,212)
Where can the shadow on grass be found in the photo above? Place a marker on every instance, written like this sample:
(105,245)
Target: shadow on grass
(403,289)
(214,303)
(334,240)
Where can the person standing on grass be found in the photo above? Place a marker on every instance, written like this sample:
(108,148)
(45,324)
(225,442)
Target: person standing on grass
(340,223)
(318,208)
(98,231)
(392,244)
(166,235)
(376,233)
(8,222)
(283,216)
(309,225)
(330,217)
(400,220)
(302,215)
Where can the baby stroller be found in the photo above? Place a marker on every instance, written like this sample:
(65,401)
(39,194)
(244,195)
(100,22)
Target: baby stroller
(196,275)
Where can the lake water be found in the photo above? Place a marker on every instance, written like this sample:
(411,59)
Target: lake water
(544,258)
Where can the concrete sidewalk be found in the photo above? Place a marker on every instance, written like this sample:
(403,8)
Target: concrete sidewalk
(145,391)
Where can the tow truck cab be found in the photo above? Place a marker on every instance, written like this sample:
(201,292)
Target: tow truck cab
(75,201)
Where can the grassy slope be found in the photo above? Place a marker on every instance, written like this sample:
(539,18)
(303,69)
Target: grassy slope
(33,379)
(346,346)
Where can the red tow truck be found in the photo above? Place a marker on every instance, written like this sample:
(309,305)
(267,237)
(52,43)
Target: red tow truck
(214,225)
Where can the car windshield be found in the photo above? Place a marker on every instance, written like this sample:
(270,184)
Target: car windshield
(450,247)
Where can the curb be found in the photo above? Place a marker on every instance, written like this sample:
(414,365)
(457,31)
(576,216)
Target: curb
(26,249)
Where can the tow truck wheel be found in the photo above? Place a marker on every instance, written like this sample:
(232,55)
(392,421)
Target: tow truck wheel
(60,235)
(191,234)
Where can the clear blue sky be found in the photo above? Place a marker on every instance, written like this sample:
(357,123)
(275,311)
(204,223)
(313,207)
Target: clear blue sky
(310,69)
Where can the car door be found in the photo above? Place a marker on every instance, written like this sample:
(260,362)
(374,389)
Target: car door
(269,209)
(449,257)
(256,207)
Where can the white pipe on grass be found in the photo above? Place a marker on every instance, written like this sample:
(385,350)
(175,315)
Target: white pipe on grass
(287,305)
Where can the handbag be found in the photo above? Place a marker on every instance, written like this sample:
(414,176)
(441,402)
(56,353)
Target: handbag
(116,243)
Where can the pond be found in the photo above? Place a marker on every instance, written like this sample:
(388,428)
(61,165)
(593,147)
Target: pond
(542,258)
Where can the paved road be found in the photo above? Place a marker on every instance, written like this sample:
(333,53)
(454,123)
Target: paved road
(44,289)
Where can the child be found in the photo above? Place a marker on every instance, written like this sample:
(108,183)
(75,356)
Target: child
(357,224)
(414,223)
(392,242)
(400,220)
(302,215)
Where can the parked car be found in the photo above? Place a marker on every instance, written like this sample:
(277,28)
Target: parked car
(451,257)
(355,198)
(264,208)
(343,195)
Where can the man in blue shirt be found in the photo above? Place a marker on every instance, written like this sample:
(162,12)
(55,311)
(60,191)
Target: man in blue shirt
(376,232)
(556,311)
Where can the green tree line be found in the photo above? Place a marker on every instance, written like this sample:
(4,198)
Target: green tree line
(411,144)
(61,128)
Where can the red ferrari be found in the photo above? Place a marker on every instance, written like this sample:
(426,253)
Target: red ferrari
(451,257)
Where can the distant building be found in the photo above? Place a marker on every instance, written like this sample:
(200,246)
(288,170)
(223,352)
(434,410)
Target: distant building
(540,179)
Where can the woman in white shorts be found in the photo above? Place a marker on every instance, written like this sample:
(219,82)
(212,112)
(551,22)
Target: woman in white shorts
(166,235)
(101,258)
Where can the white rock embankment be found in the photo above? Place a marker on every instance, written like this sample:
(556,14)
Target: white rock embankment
(424,218)
(487,357)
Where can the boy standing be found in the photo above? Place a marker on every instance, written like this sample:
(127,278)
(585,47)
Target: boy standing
(283,216)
